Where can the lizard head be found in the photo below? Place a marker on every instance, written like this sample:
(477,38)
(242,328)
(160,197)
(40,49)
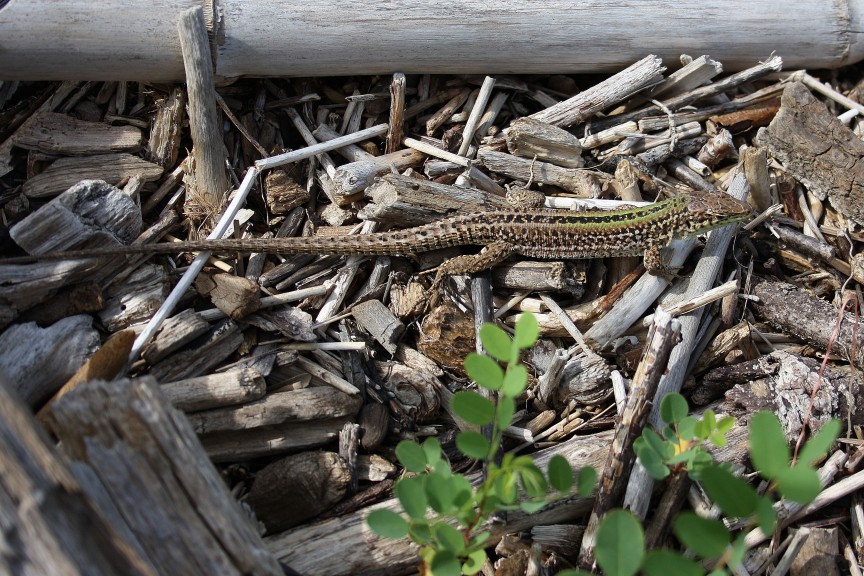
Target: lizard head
(708,211)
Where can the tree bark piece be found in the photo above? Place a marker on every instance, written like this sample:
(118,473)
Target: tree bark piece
(818,150)
(149,462)
(55,133)
(531,138)
(579,182)
(91,213)
(67,172)
(37,361)
(794,311)
(215,390)
(52,526)
(297,488)
(411,201)
(163,145)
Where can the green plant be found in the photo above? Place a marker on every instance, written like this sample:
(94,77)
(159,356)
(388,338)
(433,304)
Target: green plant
(680,448)
(444,512)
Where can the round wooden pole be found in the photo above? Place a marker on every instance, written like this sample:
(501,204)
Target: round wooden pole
(136,40)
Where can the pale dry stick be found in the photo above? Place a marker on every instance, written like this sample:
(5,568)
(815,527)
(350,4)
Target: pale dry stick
(565,320)
(559,427)
(613,134)
(303,153)
(204,123)
(640,487)
(431,150)
(476,113)
(270,301)
(326,376)
(341,346)
(325,160)
(228,218)
(811,226)
(698,301)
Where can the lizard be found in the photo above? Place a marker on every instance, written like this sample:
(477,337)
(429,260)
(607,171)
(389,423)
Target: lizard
(536,233)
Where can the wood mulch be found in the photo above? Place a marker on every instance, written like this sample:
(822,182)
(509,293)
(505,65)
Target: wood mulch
(299,374)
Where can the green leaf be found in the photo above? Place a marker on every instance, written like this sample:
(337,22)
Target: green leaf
(474,563)
(462,491)
(620,544)
(710,419)
(649,458)
(485,371)
(687,428)
(411,493)
(673,408)
(768,449)
(419,532)
(479,538)
(387,524)
(766,516)
(496,342)
(448,538)
(725,424)
(664,448)
(432,449)
(443,563)
(532,480)
(438,493)
(818,445)
(515,380)
(799,484)
(718,439)
(733,495)
(707,538)
(702,429)
(506,410)
(560,473)
(505,487)
(587,481)
(411,456)
(527,330)
(473,408)
(473,444)
(668,563)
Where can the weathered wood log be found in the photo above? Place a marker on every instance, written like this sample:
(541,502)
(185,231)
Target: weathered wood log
(37,361)
(149,463)
(67,172)
(215,390)
(297,488)
(62,134)
(57,527)
(412,201)
(360,40)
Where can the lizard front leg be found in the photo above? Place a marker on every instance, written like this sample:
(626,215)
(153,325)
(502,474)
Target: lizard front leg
(655,265)
(488,257)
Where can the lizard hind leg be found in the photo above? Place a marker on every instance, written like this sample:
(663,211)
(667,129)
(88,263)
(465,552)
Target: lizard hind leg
(488,257)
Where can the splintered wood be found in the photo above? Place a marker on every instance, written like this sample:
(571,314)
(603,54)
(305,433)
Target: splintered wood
(299,374)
